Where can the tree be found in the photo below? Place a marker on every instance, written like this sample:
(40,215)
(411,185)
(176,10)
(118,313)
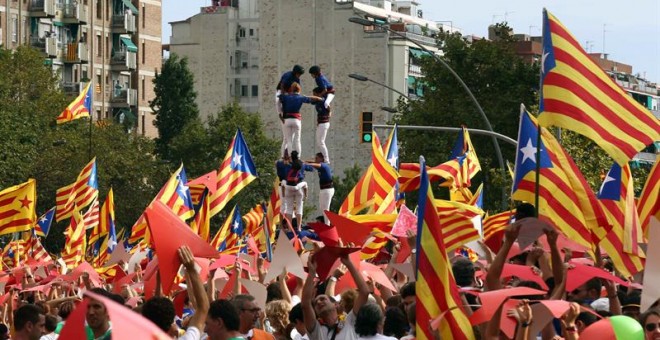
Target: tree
(343,186)
(500,81)
(34,147)
(174,104)
(202,148)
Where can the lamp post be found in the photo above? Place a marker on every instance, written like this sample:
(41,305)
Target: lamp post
(498,152)
(360,77)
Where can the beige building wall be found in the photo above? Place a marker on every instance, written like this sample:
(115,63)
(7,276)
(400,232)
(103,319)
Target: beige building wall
(79,38)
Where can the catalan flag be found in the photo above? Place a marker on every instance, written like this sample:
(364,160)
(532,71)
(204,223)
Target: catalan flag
(17,207)
(272,218)
(361,196)
(201,225)
(649,202)
(14,253)
(43,224)
(175,195)
(385,175)
(79,107)
(456,222)
(233,221)
(253,218)
(436,288)
(578,95)
(565,200)
(496,223)
(81,193)
(35,250)
(621,243)
(106,219)
(448,174)
(75,241)
(463,147)
(91,216)
(237,170)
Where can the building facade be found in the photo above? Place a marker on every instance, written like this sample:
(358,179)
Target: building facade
(115,44)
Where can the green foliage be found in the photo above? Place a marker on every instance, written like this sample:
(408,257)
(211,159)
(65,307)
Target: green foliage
(174,104)
(34,147)
(202,148)
(343,186)
(500,81)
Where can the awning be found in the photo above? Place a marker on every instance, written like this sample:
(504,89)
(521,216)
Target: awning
(418,53)
(130,46)
(130,6)
(58,23)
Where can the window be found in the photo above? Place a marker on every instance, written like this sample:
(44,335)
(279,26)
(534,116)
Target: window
(14,29)
(231,60)
(144,85)
(98,45)
(255,90)
(244,90)
(144,53)
(98,79)
(108,5)
(107,46)
(244,64)
(241,33)
(99,9)
(144,16)
(251,32)
(144,130)
(98,115)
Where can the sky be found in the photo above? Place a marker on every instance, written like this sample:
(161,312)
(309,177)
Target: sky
(628,30)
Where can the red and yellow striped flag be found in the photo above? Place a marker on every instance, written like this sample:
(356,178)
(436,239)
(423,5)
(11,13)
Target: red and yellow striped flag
(496,223)
(578,95)
(237,170)
(79,107)
(456,222)
(649,200)
(74,245)
(272,218)
(361,196)
(436,288)
(448,173)
(201,225)
(253,218)
(80,193)
(17,207)
(384,175)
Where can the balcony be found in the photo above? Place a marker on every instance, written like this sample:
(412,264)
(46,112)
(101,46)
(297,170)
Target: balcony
(42,8)
(75,53)
(47,46)
(123,97)
(123,60)
(124,23)
(71,89)
(75,14)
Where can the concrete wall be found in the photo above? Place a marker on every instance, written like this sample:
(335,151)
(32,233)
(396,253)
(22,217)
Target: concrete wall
(317,32)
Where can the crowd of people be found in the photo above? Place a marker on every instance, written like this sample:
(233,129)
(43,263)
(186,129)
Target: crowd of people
(509,291)
(349,304)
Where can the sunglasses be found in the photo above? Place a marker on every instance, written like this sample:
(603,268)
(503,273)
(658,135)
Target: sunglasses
(651,327)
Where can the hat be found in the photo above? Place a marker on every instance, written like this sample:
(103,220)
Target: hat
(315,69)
(298,69)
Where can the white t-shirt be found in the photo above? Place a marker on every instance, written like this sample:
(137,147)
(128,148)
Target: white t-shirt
(347,331)
(192,333)
(377,337)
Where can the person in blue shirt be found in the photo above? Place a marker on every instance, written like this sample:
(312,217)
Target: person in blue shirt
(327,188)
(322,82)
(291,117)
(284,86)
(282,167)
(323,115)
(295,189)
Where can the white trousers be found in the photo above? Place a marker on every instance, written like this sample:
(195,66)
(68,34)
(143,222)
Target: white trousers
(292,128)
(294,196)
(328,99)
(321,134)
(325,197)
(283,205)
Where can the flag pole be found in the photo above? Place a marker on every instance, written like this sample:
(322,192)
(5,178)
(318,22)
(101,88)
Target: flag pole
(90,119)
(538,127)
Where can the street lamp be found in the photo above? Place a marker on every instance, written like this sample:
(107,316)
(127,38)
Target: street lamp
(498,152)
(360,77)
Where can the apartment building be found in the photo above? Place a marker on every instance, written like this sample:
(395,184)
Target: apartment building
(116,44)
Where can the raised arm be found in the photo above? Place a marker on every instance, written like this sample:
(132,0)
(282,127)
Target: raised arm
(309,316)
(363,288)
(201,300)
(495,270)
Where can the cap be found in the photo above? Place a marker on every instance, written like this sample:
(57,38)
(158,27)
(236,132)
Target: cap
(298,69)
(315,69)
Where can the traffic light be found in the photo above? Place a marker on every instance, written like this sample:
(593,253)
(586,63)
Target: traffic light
(366,127)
